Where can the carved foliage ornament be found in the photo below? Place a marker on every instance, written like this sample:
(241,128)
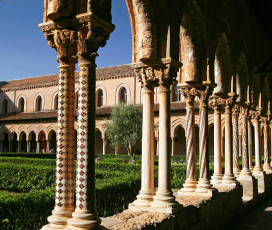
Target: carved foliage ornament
(235,110)
(156,75)
(254,114)
(189,94)
(216,103)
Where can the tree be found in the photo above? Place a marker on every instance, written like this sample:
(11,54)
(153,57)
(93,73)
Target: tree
(125,128)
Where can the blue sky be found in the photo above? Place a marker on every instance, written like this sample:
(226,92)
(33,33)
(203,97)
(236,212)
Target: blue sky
(25,53)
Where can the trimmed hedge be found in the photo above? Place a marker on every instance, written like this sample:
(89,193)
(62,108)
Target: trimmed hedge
(30,155)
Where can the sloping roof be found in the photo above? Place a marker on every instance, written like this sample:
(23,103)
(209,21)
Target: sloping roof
(101,73)
(102,111)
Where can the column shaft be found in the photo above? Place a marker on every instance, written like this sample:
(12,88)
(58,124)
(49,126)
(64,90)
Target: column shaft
(164,195)
(204,182)
(266,165)
(250,145)
(104,146)
(217,176)
(173,146)
(19,146)
(236,166)
(258,165)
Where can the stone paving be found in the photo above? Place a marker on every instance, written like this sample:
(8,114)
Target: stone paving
(258,219)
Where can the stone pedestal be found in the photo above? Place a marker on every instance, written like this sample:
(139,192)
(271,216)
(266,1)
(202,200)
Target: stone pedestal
(250,187)
(260,177)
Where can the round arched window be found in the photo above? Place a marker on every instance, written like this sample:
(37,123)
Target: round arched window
(38,104)
(123,96)
(99,101)
(5,106)
(21,105)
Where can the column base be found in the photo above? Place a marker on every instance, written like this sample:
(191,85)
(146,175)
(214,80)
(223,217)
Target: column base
(83,221)
(58,220)
(204,188)
(216,179)
(257,170)
(267,168)
(260,176)
(245,173)
(164,202)
(250,187)
(230,181)
(144,200)
(188,186)
(236,172)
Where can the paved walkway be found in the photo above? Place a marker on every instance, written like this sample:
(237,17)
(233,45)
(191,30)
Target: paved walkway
(260,218)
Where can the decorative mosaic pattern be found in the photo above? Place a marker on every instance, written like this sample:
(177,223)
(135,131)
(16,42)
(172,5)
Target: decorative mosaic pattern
(64,195)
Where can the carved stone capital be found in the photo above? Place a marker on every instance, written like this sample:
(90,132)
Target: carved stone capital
(157,72)
(244,111)
(90,38)
(189,94)
(65,43)
(263,120)
(254,114)
(216,103)
(236,110)
(204,94)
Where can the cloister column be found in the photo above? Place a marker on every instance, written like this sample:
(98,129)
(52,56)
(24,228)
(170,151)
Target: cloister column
(19,146)
(250,144)
(28,142)
(228,178)
(157,148)
(37,146)
(164,199)
(190,182)
(146,77)
(266,165)
(216,103)
(173,146)
(204,185)
(104,145)
(64,41)
(47,146)
(85,214)
(270,126)
(235,138)
(10,146)
(245,159)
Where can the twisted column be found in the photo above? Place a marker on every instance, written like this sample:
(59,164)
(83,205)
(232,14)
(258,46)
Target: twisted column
(235,131)
(190,182)
(204,184)
(217,103)
(266,165)
(228,178)
(245,159)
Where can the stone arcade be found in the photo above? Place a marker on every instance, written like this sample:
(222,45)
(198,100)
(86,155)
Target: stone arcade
(208,48)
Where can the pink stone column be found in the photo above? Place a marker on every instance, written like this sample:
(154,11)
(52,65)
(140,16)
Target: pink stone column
(245,159)
(228,178)
(190,182)
(266,165)
(204,185)
(235,116)
(250,144)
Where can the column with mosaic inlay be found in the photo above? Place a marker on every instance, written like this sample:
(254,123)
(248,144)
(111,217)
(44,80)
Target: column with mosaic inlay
(85,214)
(190,183)
(64,41)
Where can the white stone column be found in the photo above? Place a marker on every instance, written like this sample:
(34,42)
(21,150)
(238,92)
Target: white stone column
(173,146)
(245,159)
(47,146)
(19,146)
(266,165)
(228,178)
(164,197)
(147,192)
(258,169)
(28,142)
(235,138)
(216,103)
(37,147)
(10,146)
(270,125)
(204,185)
(250,144)
(158,148)
(190,182)
(104,146)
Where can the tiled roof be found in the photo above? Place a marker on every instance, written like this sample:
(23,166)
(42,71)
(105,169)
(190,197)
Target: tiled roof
(102,111)
(107,72)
